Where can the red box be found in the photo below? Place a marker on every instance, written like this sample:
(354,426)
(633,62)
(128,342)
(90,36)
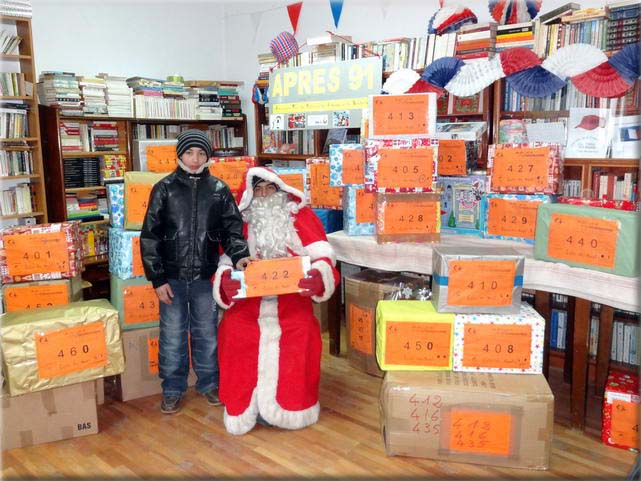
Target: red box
(621,411)
(603,203)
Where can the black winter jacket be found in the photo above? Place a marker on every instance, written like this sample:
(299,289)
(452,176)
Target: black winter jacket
(188,217)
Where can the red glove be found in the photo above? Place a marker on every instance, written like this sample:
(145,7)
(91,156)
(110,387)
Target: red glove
(313,284)
(229,286)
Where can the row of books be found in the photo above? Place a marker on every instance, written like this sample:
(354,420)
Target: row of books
(221,136)
(16,200)
(154,107)
(572,188)
(9,44)
(13,121)
(97,136)
(81,172)
(614,187)
(287,142)
(87,206)
(15,161)
(14,84)
(514,35)
(476,41)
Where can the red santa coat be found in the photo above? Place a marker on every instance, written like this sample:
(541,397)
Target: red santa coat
(269,348)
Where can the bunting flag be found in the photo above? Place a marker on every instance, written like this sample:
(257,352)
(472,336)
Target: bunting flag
(337,9)
(293,11)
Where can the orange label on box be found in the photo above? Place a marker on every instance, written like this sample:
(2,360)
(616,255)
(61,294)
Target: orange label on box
(409,168)
(365,211)
(273,276)
(507,346)
(161,158)
(137,201)
(418,343)
(320,191)
(521,167)
(400,115)
(153,349)
(410,217)
(360,329)
(33,297)
(583,239)
(70,350)
(36,253)
(137,269)
(512,218)
(625,423)
(480,432)
(480,283)
(297,181)
(353,166)
(452,157)
(141,304)
(231,173)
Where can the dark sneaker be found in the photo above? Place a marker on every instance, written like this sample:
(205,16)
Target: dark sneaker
(170,404)
(212,397)
(261,420)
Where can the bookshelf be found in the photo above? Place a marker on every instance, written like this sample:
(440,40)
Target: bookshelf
(24,144)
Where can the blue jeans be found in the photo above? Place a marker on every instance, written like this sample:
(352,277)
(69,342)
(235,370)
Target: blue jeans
(192,312)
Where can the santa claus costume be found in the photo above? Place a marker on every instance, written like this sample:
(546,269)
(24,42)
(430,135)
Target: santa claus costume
(269,348)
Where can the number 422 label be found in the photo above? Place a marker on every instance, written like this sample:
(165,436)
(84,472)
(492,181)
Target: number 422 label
(271,277)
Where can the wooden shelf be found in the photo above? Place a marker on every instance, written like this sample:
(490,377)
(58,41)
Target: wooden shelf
(188,121)
(13,56)
(535,115)
(21,216)
(71,155)
(606,161)
(285,156)
(20,177)
(77,190)
(17,97)
(95,222)
(20,139)
(92,260)
(11,18)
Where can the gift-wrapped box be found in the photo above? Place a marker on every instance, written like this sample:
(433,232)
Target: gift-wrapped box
(155,155)
(478,418)
(412,336)
(408,217)
(603,203)
(459,147)
(332,219)
(37,294)
(346,164)
(534,168)
(401,165)
(359,211)
(231,170)
(511,216)
(138,187)
(47,348)
(605,240)
(322,195)
(136,301)
(94,239)
(461,203)
(477,280)
(500,343)
(295,177)
(621,401)
(116,203)
(40,252)
(125,260)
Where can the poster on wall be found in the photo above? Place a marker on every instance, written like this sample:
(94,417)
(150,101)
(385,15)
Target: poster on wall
(323,96)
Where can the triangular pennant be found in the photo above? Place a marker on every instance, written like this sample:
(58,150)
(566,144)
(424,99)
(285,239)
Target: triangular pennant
(337,8)
(294,12)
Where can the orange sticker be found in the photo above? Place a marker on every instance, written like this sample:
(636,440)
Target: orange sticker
(505,346)
(320,191)
(521,167)
(137,201)
(231,173)
(583,239)
(353,166)
(35,296)
(71,350)
(480,432)
(625,423)
(512,218)
(137,269)
(360,328)
(480,283)
(400,115)
(410,217)
(365,211)
(140,304)
(161,158)
(418,343)
(153,349)
(36,253)
(297,181)
(273,276)
(452,157)
(408,168)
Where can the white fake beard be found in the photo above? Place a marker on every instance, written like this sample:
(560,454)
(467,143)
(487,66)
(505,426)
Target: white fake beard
(272,226)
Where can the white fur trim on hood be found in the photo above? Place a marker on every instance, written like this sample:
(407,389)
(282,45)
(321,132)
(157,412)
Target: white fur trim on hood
(270,176)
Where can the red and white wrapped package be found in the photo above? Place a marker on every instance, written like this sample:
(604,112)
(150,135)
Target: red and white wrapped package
(603,203)
(621,411)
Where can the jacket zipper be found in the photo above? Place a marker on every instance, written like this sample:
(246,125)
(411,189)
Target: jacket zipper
(194,215)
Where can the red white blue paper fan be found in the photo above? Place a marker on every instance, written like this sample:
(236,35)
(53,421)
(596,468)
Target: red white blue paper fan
(601,81)
(442,70)
(421,86)
(518,58)
(574,59)
(400,81)
(450,19)
(284,46)
(475,76)
(535,82)
(626,62)
(508,12)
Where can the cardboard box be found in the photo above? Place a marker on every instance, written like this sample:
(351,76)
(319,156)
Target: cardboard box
(47,416)
(137,190)
(346,164)
(461,203)
(480,418)
(155,155)
(136,301)
(321,312)
(125,259)
(621,401)
(412,336)
(331,219)
(359,211)
(477,280)
(321,194)
(231,170)
(500,343)
(116,203)
(33,295)
(100,391)
(408,217)
(511,216)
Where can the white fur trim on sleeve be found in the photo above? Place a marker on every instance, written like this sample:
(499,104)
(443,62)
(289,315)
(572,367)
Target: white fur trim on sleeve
(225,260)
(216,288)
(328,280)
(319,249)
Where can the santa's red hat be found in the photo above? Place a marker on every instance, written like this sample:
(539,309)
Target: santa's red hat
(246,191)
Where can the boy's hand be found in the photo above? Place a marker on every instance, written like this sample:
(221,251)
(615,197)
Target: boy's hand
(164,293)
(244,262)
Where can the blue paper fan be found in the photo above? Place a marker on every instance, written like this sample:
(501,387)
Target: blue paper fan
(442,70)
(626,62)
(535,82)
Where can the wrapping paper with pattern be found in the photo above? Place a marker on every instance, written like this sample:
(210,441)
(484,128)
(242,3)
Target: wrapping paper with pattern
(486,207)
(621,398)
(121,261)
(325,196)
(116,200)
(461,203)
(350,224)
(337,154)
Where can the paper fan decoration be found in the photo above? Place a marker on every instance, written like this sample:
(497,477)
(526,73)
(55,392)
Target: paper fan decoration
(601,81)
(518,58)
(400,81)
(626,62)
(450,19)
(508,12)
(574,59)
(475,76)
(421,86)
(442,70)
(535,82)
(284,46)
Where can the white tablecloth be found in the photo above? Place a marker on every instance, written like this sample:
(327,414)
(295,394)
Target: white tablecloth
(608,289)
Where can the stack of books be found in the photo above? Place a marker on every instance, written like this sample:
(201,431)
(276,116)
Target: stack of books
(145,86)
(93,95)
(15,160)
(623,26)
(174,89)
(16,8)
(266,62)
(228,93)
(60,89)
(83,206)
(16,200)
(104,136)
(9,43)
(515,35)
(13,121)
(206,91)
(70,139)
(476,41)
(119,96)
(81,172)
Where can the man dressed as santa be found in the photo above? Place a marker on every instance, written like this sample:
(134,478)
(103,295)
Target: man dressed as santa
(269,348)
